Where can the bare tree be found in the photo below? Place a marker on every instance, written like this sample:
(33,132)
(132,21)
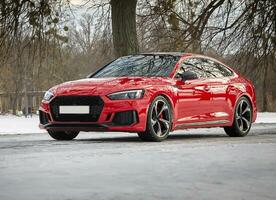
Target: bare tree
(124,27)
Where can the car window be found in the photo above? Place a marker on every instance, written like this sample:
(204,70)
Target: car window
(139,65)
(225,71)
(214,69)
(193,65)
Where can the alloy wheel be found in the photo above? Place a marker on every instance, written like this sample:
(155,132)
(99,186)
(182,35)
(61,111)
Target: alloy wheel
(160,118)
(243,116)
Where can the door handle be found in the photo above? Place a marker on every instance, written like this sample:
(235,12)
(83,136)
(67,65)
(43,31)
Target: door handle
(206,88)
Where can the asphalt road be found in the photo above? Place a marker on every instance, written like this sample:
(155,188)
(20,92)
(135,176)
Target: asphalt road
(190,164)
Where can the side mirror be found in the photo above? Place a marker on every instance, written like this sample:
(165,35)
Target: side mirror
(185,76)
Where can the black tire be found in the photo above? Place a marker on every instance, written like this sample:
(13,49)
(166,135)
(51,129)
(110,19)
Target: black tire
(242,120)
(159,121)
(63,135)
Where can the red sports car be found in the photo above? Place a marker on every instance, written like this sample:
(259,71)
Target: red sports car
(152,94)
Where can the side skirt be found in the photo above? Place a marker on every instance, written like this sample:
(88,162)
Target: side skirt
(195,124)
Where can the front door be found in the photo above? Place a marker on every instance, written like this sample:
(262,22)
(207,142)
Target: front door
(194,96)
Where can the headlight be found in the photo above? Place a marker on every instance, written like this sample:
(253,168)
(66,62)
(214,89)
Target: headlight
(48,96)
(130,94)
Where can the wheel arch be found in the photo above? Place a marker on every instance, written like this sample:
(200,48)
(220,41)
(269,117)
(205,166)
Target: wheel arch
(247,96)
(249,99)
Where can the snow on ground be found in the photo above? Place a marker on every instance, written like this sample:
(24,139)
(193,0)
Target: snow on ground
(10,124)
(266,117)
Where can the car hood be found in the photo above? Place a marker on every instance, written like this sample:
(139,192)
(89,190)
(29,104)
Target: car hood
(103,86)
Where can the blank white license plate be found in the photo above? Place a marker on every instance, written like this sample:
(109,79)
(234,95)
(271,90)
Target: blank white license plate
(74,109)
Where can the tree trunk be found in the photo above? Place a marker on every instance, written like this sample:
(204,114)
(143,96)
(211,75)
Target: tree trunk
(124,27)
(26,99)
(14,103)
(265,91)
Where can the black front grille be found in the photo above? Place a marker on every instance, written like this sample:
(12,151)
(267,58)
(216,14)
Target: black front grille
(95,103)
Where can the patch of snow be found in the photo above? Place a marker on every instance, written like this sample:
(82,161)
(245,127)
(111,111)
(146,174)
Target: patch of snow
(10,124)
(266,117)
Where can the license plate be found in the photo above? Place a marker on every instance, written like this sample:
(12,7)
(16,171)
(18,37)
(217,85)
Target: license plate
(74,109)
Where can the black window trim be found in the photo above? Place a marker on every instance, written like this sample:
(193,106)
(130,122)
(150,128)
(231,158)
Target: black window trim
(181,62)
(208,58)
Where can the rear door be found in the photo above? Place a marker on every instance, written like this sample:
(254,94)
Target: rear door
(219,79)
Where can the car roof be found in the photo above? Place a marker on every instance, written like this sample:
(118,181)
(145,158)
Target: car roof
(166,53)
(180,54)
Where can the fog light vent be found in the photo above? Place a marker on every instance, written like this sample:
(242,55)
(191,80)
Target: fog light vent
(125,118)
(43,118)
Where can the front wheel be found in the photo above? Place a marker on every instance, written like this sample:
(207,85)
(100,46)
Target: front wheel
(159,121)
(242,120)
(63,135)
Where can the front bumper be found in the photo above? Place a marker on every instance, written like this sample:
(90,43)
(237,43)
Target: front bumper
(116,115)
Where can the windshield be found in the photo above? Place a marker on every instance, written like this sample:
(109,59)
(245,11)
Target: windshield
(139,65)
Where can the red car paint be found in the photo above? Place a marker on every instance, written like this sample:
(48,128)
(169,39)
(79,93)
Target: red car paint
(196,103)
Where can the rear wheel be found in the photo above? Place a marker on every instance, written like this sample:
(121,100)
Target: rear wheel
(242,120)
(63,135)
(159,121)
